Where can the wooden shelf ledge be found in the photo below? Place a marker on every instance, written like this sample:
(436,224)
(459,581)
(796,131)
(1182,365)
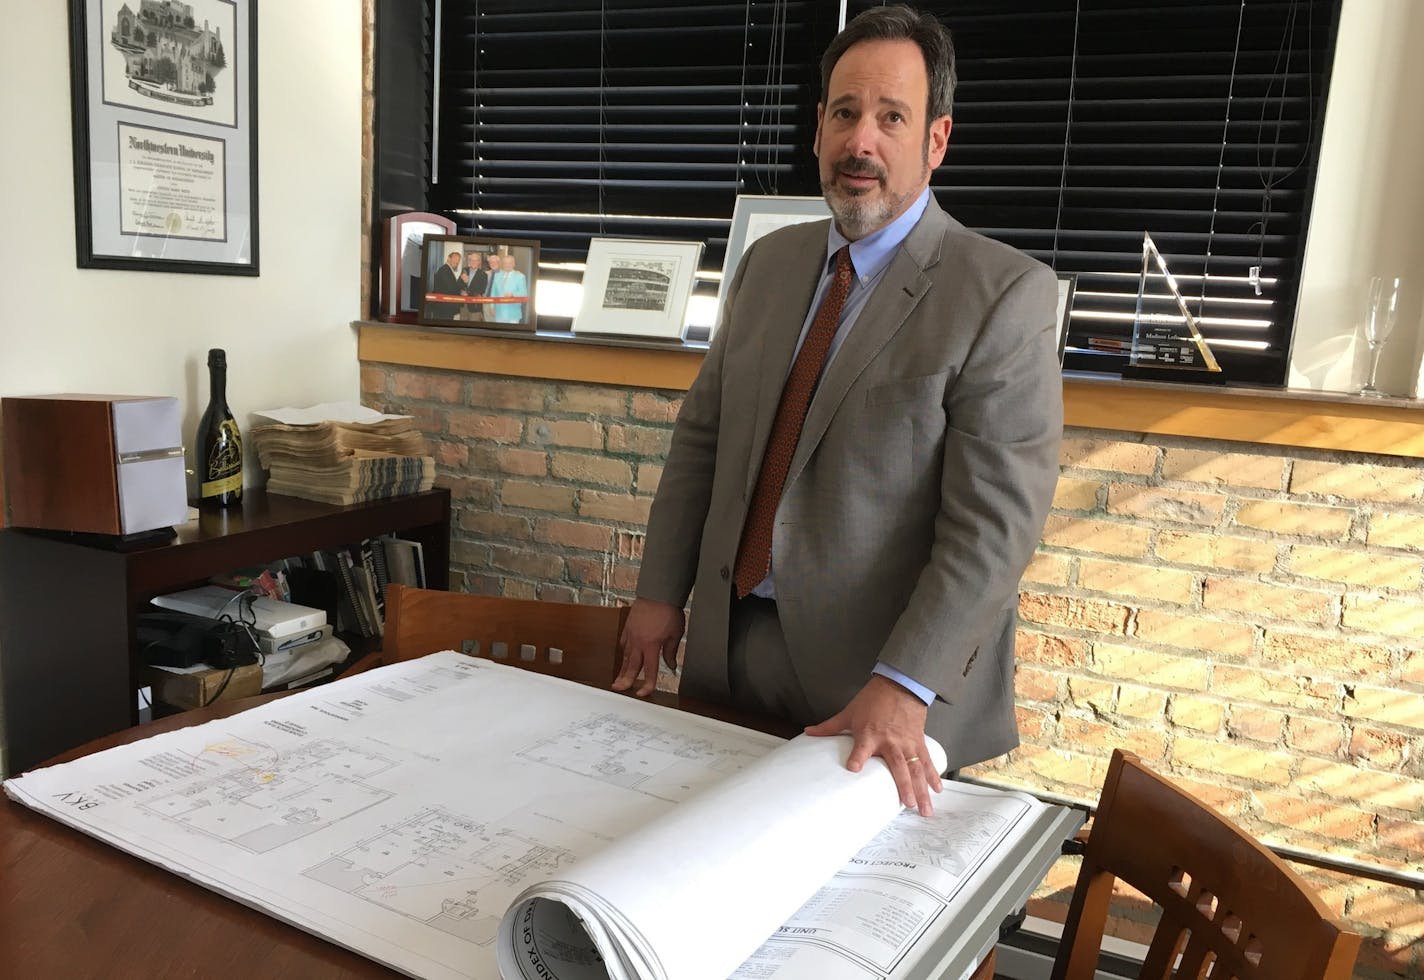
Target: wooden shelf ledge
(1314,420)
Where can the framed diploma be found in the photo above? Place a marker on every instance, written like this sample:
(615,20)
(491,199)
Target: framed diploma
(165,135)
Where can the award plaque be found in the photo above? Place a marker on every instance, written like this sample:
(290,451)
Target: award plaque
(1167,343)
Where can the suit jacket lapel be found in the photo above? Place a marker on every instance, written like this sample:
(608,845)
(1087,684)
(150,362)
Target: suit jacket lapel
(897,294)
(782,326)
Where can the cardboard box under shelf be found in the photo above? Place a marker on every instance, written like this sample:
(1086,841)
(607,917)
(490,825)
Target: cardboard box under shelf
(204,687)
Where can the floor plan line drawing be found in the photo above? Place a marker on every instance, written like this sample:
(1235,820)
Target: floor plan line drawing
(266,798)
(447,871)
(638,756)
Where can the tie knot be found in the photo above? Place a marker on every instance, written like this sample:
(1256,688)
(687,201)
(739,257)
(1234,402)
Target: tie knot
(844,269)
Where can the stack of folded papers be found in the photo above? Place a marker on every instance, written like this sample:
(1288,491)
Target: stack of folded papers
(342,460)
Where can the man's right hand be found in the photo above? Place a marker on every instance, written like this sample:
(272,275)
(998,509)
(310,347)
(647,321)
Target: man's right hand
(653,629)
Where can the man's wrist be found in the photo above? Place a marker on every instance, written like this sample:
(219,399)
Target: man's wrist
(904,680)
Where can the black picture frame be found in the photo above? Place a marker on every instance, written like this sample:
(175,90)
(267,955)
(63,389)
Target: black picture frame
(440,307)
(165,148)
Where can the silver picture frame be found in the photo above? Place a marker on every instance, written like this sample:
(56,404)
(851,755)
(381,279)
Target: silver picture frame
(753,216)
(637,288)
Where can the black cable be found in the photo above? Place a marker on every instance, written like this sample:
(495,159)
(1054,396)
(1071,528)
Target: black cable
(221,687)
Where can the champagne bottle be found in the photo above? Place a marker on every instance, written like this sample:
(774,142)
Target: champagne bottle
(219,442)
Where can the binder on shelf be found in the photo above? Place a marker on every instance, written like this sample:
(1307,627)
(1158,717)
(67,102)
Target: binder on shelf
(377,591)
(366,596)
(405,560)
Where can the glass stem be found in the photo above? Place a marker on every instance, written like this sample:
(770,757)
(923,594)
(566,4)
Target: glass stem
(1374,364)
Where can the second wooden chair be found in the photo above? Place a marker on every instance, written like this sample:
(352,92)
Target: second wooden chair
(577,642)
(1229,907)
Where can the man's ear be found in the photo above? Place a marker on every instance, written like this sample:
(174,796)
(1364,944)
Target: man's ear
(816,141)
(939,140)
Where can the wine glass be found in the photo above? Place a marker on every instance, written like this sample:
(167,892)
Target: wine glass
(1381,311)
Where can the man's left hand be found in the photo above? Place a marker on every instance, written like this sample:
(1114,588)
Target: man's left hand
(888,721)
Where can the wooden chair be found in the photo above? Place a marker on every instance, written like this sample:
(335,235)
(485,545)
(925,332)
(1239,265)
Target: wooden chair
(1230,908)
(577,642)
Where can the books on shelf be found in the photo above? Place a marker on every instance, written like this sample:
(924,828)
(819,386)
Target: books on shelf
(344,462)
(350,582)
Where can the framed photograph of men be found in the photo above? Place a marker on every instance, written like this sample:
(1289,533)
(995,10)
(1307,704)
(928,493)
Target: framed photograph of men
(164,108)
(478,282)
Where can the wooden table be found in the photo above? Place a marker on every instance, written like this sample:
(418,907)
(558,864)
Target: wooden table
(72,907)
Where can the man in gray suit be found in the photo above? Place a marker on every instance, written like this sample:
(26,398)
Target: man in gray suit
(862,468)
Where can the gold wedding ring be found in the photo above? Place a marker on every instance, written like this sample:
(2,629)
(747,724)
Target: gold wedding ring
(913,758)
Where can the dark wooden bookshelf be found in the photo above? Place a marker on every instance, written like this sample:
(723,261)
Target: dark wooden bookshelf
(69,669)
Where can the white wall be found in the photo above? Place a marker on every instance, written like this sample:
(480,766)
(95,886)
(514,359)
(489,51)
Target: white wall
(1368,216)
(286,332)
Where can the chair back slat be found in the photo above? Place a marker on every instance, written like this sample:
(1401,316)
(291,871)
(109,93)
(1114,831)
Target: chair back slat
(1167,943)
(577,642)
(1230,908)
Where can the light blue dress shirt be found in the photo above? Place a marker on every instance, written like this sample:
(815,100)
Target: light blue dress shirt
(870,257)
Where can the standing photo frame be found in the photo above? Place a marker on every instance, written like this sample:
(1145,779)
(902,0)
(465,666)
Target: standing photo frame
(637,288)
(753,216)
(164,110)
(478,282)
(402,252)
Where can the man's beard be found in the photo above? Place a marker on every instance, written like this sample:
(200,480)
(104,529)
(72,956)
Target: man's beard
(855,217)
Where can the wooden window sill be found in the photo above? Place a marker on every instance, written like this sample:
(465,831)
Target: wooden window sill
(1315,420)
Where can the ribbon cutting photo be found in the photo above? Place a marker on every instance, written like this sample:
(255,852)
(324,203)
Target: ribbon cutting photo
(478,282)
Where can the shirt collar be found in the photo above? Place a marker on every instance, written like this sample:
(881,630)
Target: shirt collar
(871,254)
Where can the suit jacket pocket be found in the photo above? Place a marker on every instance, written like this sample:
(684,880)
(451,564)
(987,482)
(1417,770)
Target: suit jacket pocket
(907,389)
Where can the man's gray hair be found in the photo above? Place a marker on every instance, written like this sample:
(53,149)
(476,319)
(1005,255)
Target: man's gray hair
(901,23)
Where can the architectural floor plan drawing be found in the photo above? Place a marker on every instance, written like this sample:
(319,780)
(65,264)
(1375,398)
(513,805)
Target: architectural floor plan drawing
(637,755)
(459,819)
(446,871)
(266,798)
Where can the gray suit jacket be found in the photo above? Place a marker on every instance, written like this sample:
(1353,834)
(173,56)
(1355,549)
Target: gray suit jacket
(919,486)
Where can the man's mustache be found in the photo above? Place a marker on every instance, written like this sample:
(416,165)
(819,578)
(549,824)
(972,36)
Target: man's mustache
(857,167)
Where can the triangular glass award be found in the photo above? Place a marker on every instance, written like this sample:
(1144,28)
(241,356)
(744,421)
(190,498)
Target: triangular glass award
(1167,343)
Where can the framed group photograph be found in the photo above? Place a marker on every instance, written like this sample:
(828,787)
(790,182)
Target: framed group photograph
(478,282)
(164,107)
(755,215)
(637,288)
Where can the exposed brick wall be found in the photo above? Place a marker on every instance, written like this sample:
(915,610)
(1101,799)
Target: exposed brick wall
(551,483)
(1247,619)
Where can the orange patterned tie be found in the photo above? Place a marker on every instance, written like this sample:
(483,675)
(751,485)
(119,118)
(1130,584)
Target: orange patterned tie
(754,553)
